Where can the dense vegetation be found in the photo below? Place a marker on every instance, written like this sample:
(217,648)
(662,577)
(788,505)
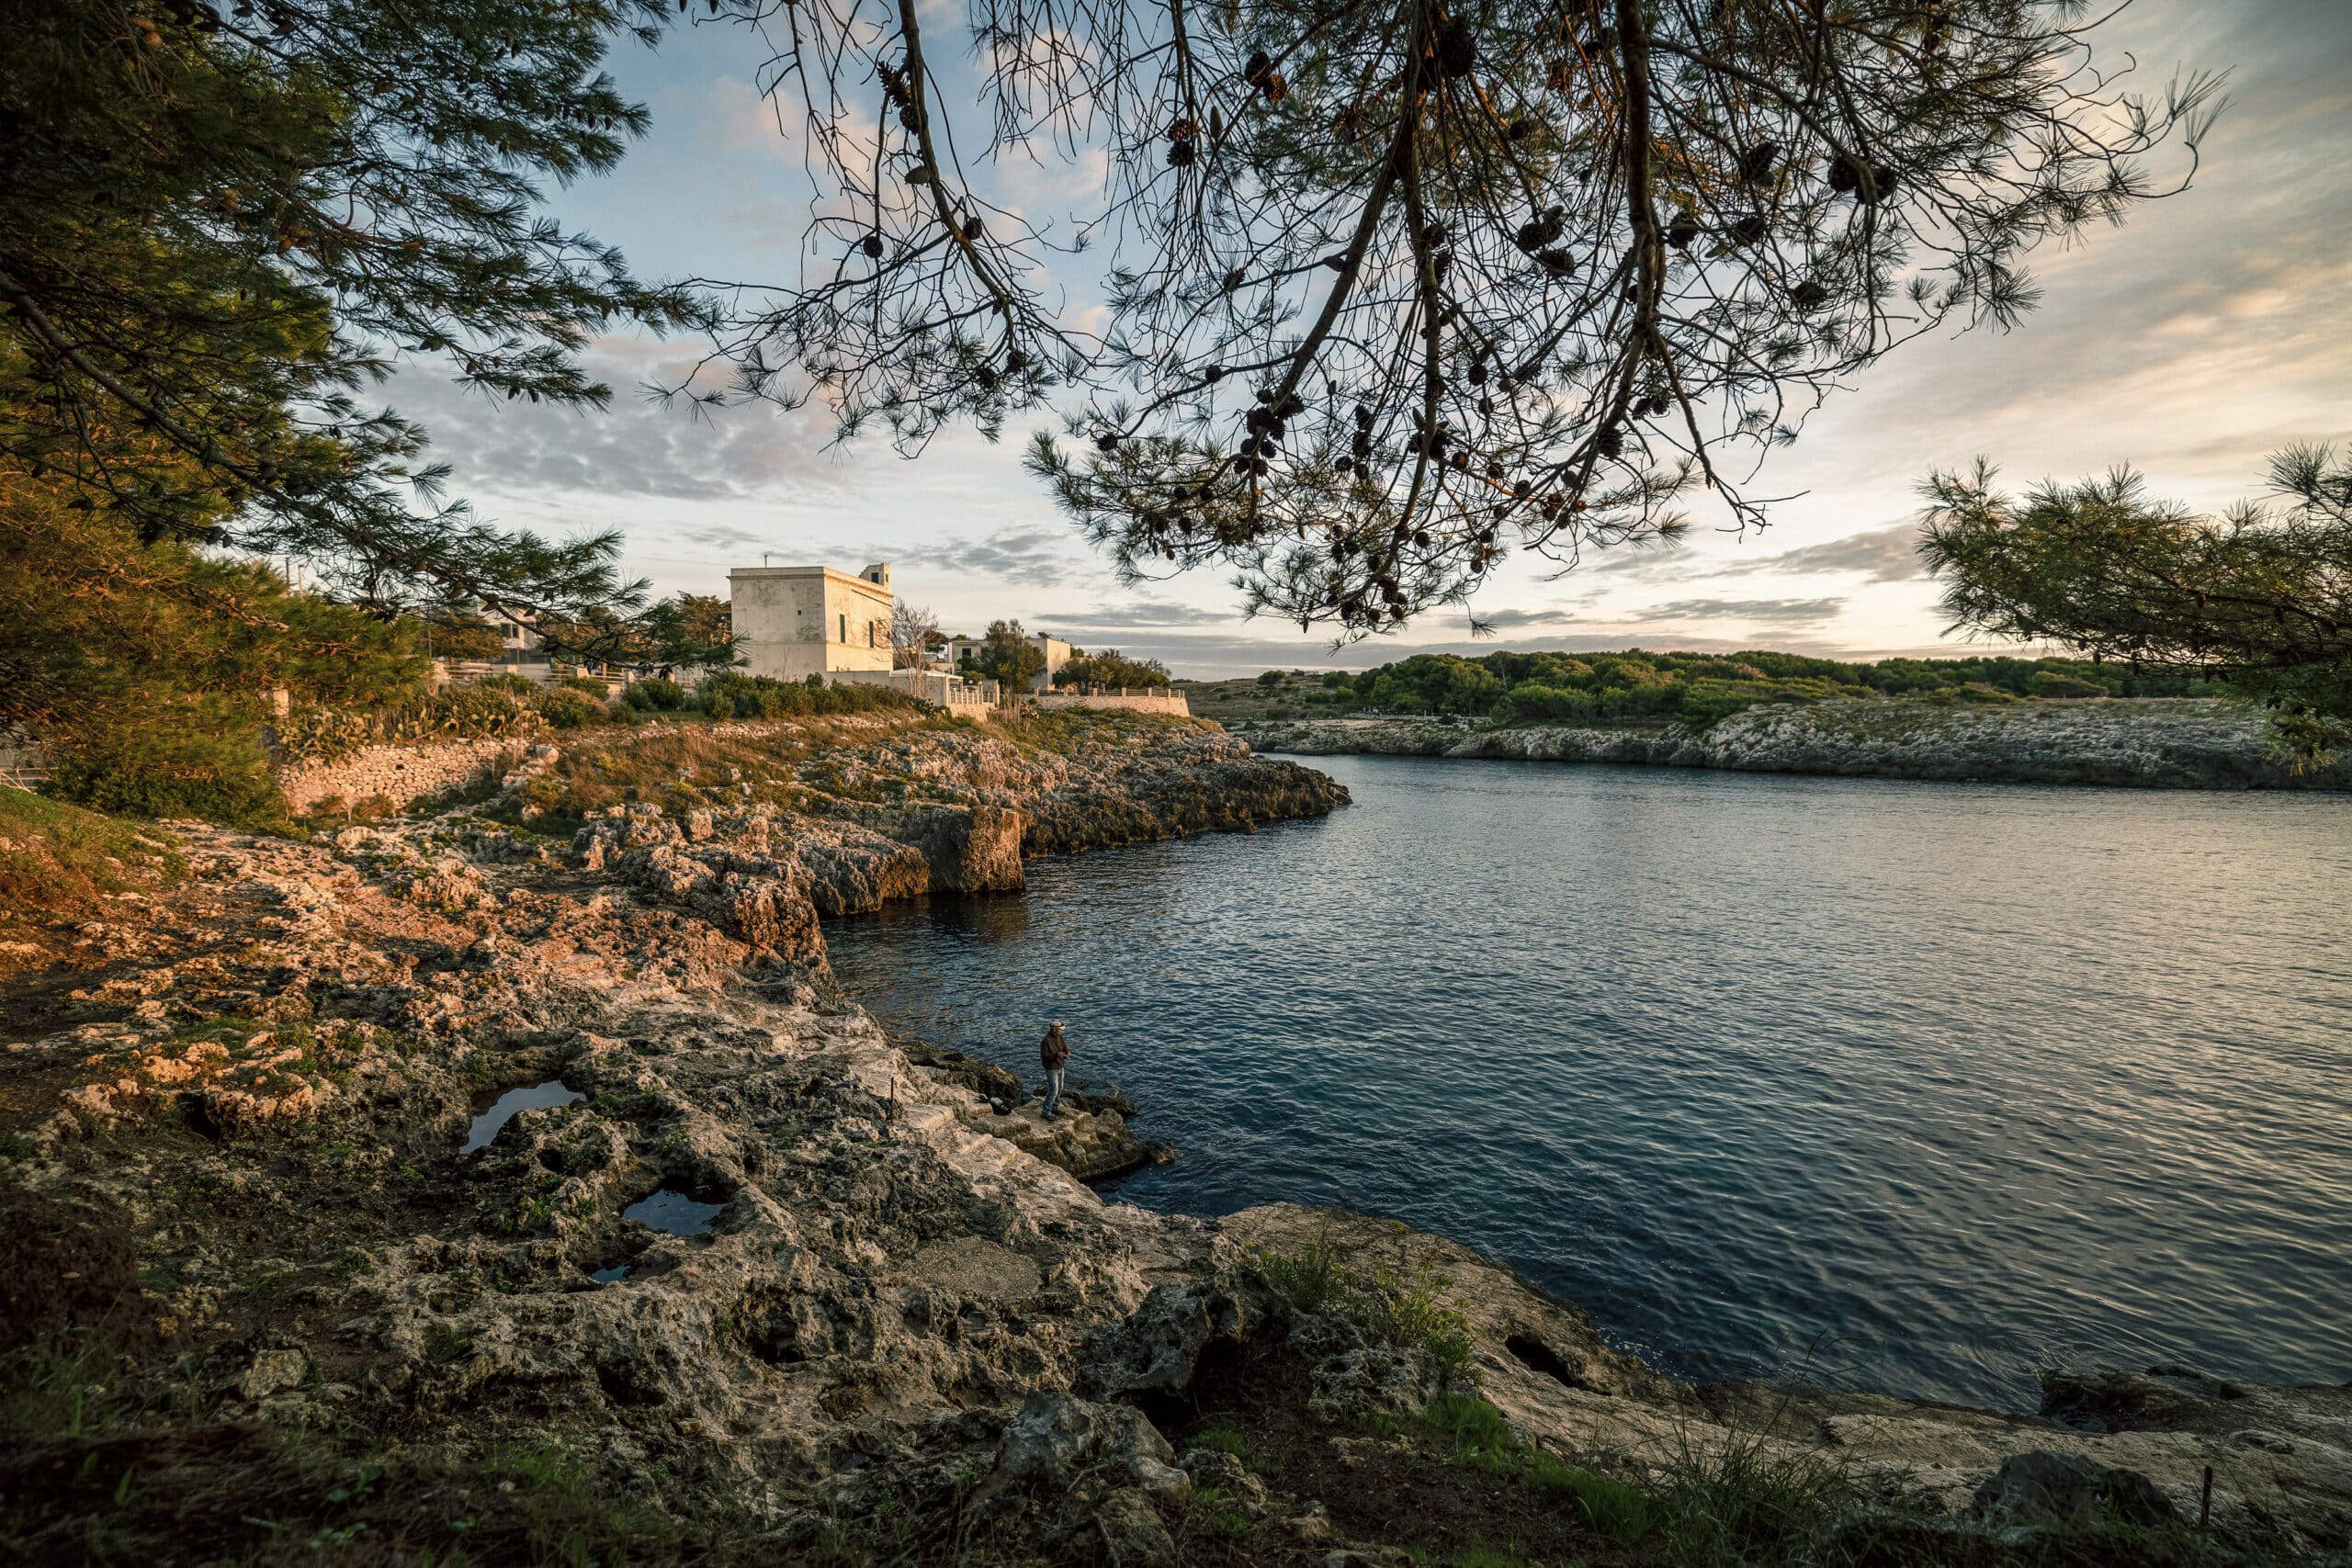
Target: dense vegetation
(1637,686)
(1110,668)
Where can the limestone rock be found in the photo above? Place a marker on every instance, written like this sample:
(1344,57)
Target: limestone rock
(273,1372)
(2040,1489)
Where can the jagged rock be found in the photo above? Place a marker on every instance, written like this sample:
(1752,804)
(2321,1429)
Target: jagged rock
(892,1298)
(1132,1531)
(2040,1489)
(1056,1435)
(1350,1377)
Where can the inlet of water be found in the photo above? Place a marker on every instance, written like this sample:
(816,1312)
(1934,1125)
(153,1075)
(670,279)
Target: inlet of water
(1900,1086)
(673,1213)
(533,1097)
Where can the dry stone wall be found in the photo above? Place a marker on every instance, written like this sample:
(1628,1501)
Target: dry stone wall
(397,774)
(1139,702)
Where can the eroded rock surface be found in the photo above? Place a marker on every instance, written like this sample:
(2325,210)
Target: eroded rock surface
(237,1157)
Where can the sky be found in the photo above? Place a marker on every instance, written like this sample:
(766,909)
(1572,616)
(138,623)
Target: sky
(2206,333)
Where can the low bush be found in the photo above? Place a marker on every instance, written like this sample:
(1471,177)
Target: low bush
(658,694)
(475,712)
(2051,684)
(732,695)
(174,771)
(566,709)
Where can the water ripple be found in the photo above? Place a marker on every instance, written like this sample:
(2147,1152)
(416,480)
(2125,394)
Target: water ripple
(1915,1087)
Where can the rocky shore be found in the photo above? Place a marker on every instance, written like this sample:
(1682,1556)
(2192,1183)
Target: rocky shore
(514,1184)
(2149,743)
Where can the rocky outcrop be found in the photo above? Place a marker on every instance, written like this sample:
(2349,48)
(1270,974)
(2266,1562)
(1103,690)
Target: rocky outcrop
(2139,743)
(765,1261)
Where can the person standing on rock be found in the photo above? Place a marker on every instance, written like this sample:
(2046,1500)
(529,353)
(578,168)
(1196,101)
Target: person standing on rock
(1054,1051)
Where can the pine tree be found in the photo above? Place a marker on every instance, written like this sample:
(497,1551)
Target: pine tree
(2261,598)
(1397,285)
(220,228)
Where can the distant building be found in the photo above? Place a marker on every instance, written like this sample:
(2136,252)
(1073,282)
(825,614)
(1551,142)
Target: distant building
(1057,653)
(798,621)
(517,633)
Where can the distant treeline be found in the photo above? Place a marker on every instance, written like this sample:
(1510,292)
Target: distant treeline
(1699,689)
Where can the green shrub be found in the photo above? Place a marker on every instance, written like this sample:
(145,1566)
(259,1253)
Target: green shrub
(1617,1510)
(1270,677)
(473,712)
(1970,693)
(567,709)
(1749,1501)
(732,695)
(2051,684)
(1408,1311)
(512,685)
(174,771)
(1401,1309)
(658,695)
(592,685)
(1222,1436)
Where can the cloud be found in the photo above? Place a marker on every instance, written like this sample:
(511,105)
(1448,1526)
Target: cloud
(1034,558)
(1879,555)
(632,449)
(1144,613)
(1509,620)
(1780,612)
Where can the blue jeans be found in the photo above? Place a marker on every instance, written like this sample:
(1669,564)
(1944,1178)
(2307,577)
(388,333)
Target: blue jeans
(1053,1089)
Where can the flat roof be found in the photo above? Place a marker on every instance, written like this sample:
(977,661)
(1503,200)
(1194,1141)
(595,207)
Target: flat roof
(735,571)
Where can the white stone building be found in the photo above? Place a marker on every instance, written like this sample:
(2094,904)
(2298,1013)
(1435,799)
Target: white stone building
(798,621)
(1057,653)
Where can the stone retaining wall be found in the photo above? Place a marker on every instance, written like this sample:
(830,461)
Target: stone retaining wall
(397,773)
(1156,702)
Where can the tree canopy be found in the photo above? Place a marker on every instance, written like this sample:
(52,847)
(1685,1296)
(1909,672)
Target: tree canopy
(1109,667)
(218,228)
(2259,598)
(1007,656)
(1397,285)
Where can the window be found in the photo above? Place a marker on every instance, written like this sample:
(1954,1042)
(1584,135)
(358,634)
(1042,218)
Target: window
(870,641)
(845,627)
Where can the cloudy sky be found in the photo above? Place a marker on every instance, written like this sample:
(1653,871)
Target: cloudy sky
(2207,332)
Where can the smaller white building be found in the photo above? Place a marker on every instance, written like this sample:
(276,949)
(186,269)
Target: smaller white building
(1057,653)
(792,622)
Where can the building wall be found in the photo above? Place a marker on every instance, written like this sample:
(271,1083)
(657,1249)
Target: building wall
(1057,653)
(798,621)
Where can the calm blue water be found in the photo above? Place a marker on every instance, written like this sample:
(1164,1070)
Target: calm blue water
(1899,1085)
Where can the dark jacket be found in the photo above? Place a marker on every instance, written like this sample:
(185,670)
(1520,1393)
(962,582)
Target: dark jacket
(1053,1050)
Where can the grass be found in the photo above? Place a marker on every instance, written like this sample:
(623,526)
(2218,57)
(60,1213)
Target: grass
(1473,1435)
(1222,1436)
(56,858)
(1398,1304)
